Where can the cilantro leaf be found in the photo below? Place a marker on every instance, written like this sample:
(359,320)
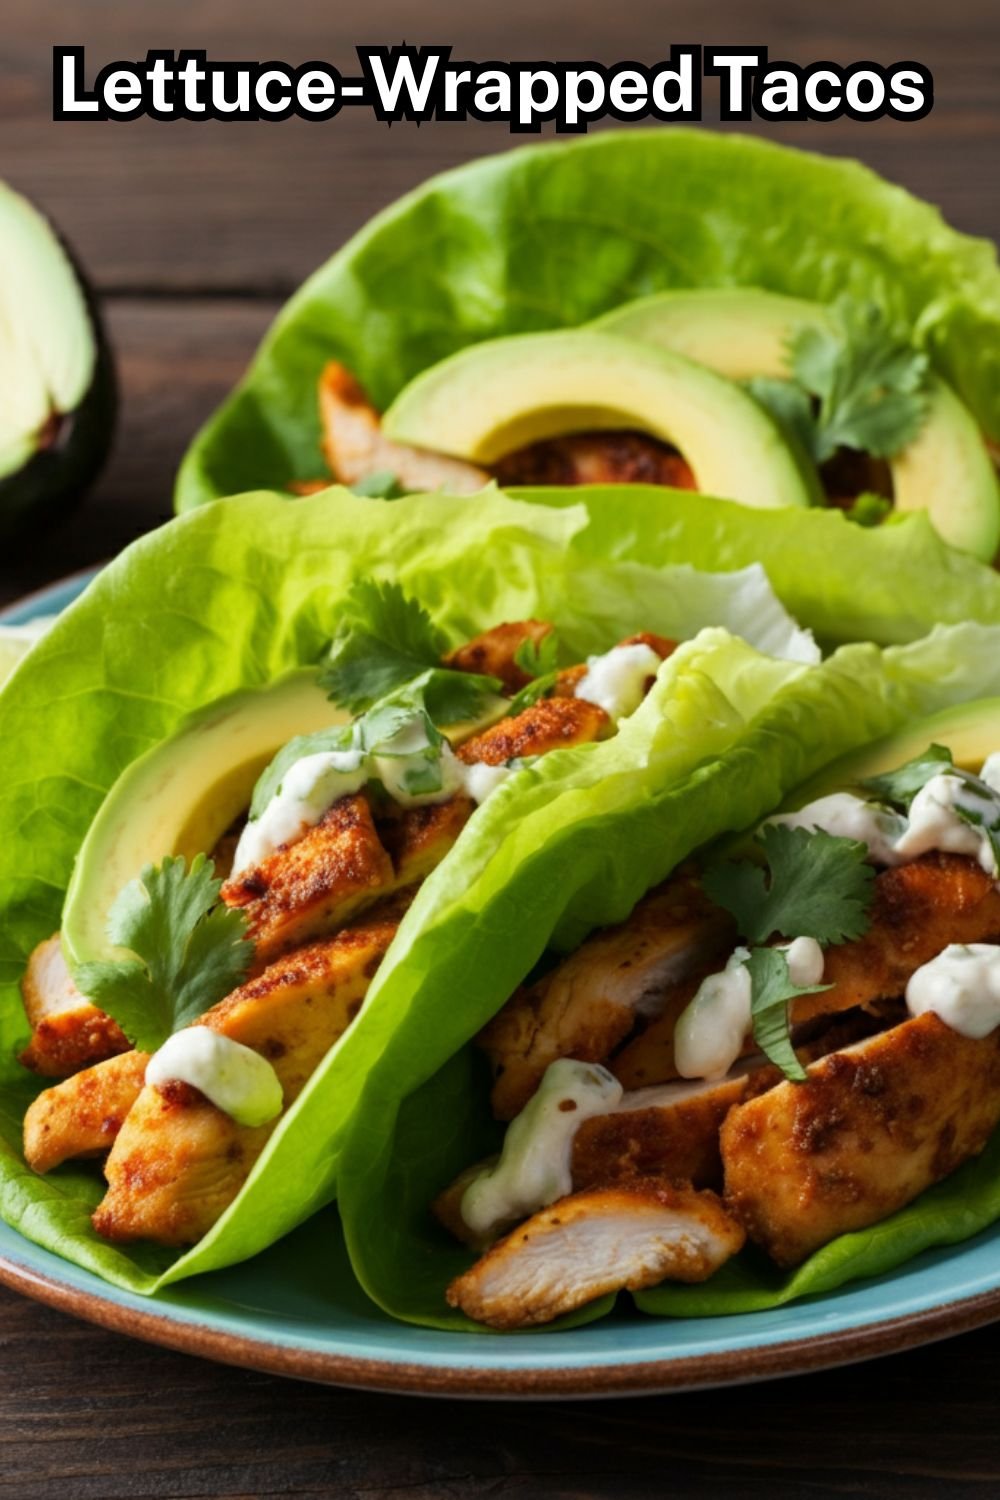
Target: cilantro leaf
(380,486)
(869,509)
(771,989)
(541,688)
(538,658)
(385,639)
(819,887)
(871,383)
(188,952)
(899,787)
(792,409)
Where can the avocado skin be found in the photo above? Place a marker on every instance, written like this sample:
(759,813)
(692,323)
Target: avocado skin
(53,481)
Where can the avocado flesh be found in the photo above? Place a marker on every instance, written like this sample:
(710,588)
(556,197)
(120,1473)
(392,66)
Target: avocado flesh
(57,415)
(971,731)
(497,397)
(182,796)
(744,332)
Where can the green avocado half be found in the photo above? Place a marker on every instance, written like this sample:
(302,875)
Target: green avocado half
(182,796)
(497,397)
(58,407)
(743,332)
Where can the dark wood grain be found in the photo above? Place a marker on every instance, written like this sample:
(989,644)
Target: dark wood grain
(193,234)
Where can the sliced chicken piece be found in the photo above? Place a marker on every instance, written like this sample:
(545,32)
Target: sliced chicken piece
(597,458)
(917,910)
(355,447)
(588,1004)
(607,1239)
(492,653)
(873,1127)
(82,1115)
(317,883)
(418,838)
(672,1129)
(67,1032)
(178,1162)
(551,724)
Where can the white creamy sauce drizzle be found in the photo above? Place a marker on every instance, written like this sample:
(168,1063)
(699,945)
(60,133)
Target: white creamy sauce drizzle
(617,680)
(535,1166)
(934,820)
(236,1079)
(961,986)
(710,1033)
(313,784)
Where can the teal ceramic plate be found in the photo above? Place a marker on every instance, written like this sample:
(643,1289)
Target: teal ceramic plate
(296,1311)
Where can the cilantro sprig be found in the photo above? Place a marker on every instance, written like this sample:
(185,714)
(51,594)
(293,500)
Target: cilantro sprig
(811,885)
(385,639)
(540,661)
(859,383)
(899,787)
(187,951)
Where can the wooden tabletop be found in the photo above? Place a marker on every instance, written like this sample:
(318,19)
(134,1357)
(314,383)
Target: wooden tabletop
(193,235)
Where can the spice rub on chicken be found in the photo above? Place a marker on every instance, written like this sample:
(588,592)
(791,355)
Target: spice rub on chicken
(319,891)
(883,1077)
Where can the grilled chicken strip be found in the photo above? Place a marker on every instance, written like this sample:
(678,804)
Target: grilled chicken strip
(590,1003)
(82,1115)
(67,1032)
(597,458)
(549,724)
(178,1162)
(608,1239)
(917,910)
(355,448)
(492,653)
(871,1129)
(318,882)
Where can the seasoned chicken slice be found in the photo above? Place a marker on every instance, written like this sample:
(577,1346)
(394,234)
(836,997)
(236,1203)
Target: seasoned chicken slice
(607,1239)
(917,910)
(492,653)
(82,1115)
(672,1130)
(418,838)
(872,1128)
(67,1032)
(178,1162)
(355,448)
(597,458)
(317,883)
(550,724)
(588,1004)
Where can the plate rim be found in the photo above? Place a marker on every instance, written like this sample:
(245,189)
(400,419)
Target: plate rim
(797,1356)
(160,1324)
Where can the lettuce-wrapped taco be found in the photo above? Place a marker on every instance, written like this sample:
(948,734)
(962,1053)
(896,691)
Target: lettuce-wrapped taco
(723,1064)
(663,308)
(248,776)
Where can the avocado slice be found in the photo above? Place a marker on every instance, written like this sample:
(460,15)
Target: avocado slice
(181,796)
(743,332)
(971,731)
(497,397)
(58,410)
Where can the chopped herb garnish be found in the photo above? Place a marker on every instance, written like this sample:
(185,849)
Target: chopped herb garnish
(385,639)
(815,885)
(188,951)
(858,384)
(899,787)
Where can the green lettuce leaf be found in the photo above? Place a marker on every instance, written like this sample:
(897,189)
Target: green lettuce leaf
(554,880)
(232,597)
(554,235)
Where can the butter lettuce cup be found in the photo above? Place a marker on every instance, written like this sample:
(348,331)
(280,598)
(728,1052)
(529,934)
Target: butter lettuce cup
(265,781)
(746,1046)
(736,320)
